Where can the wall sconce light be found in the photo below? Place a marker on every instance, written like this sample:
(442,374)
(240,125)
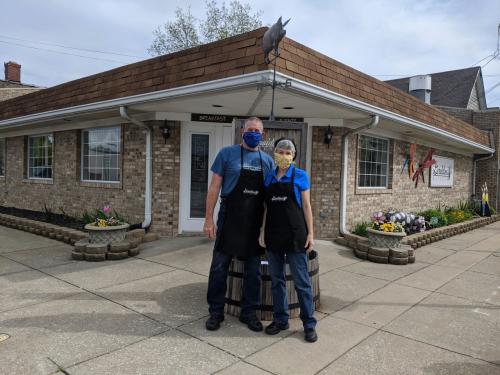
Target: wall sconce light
(165,130)
(328,136)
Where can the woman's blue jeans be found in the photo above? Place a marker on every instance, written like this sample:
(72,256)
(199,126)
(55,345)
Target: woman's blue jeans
(298,267)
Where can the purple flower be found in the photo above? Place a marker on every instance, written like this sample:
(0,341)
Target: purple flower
(106,209)
(377,217)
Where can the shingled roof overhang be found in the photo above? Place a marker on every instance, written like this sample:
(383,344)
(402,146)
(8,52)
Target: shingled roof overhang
(235,63)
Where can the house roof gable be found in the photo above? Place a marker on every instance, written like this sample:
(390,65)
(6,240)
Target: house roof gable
(451,88)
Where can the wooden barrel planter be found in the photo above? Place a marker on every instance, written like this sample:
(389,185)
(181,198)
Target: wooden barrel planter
(265,312)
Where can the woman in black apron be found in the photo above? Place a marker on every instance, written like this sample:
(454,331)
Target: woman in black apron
(288,238)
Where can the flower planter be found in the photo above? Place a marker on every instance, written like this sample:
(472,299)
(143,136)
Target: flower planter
(378,238)
(106,235)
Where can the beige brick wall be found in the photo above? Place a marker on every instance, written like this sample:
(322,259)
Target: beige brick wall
(403,195)
(67,191)
(488,170)
(12,92)
(325,185)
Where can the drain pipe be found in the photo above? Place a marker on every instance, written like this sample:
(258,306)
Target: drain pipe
(149,166)
(343,178)
(474,168)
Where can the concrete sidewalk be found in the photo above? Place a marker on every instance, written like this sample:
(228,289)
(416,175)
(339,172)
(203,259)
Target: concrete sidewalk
(146,315)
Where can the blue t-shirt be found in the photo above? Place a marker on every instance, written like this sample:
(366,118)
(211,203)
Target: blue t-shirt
(227,164)
(301,181)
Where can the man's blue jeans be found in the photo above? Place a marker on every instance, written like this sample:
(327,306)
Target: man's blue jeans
(298,267)
(217,284)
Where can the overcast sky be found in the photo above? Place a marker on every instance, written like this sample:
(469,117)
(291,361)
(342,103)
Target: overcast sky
(380,38)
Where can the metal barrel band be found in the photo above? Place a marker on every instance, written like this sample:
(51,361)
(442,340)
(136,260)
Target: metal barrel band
(268,277)
(296,305)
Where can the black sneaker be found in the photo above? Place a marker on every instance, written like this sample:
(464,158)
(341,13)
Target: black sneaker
(252,322)
(213,323)
(276,327)
(310,335)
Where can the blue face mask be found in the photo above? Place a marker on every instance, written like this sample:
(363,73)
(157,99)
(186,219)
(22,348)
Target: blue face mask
(252,139)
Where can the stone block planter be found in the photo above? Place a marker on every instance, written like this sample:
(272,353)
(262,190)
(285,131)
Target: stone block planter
(119,242)
(404,251)
(55,232)
(106,235)
(378,238)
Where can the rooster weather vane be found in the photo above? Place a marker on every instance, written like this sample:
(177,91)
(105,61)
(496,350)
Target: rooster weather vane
(270,44)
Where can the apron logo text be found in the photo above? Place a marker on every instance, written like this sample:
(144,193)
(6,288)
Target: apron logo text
(280,199)
(251,192)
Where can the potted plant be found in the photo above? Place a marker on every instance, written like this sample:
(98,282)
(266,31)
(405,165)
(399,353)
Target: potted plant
(384,232)
(105,226)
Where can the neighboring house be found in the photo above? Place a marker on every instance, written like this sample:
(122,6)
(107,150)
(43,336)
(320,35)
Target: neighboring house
(462,88)
(461,93)
(142,137)
(11,86)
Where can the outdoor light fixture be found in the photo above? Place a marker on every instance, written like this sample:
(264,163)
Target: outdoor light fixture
(328,135)
(165,130)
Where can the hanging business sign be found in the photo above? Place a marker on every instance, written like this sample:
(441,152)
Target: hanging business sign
(442,172)
(206,117)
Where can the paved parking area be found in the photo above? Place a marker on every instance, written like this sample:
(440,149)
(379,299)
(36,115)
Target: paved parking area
(146,315)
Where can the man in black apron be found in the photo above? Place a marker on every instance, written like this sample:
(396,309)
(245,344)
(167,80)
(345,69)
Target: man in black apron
(239,172)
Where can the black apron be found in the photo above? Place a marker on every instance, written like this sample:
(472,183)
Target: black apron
(286,229)
(242,211)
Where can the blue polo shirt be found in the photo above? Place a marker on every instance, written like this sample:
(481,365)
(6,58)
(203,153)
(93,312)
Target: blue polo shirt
(301,181)
(227,164)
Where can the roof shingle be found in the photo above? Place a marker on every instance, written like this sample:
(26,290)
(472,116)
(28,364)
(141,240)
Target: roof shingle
(232,57)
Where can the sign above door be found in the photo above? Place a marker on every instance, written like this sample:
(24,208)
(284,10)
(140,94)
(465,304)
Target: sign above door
(227,119)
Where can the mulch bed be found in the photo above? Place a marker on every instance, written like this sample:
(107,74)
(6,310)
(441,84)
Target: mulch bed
(47,217)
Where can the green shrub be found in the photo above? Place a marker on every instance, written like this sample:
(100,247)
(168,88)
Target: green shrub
(360,229)
(435,218)
(470,208)
(455,215)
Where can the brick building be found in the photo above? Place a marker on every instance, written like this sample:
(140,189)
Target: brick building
(11,86)
(142,136)
(461,93)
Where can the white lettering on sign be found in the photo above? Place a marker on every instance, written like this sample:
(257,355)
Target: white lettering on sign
(442,172)
(279,199)
(251,192)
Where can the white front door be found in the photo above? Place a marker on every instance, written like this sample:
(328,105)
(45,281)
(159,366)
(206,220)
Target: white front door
(200,143)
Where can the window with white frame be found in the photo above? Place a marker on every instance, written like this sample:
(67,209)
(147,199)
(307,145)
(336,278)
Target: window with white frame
(40,160)
(373,162)
(2,157)
(101,154)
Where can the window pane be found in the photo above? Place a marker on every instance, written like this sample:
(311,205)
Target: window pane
(199,174)
(373,161)
(101,154)
(40,161)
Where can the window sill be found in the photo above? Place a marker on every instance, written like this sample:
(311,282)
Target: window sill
(372,191)
(101,185)
(2,179)
(38,181)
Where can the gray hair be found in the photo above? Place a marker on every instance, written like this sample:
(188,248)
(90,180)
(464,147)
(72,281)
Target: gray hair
(253,119)
(285,144)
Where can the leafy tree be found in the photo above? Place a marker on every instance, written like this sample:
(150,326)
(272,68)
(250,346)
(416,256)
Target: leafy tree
(220,22)
(175,35)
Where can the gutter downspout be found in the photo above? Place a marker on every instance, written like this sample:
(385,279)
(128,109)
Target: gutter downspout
(490,133)
(149,166)
(343,178)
